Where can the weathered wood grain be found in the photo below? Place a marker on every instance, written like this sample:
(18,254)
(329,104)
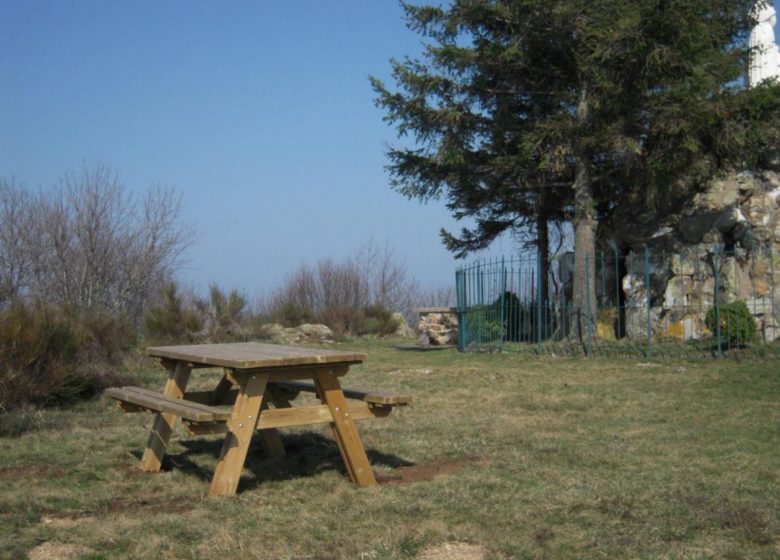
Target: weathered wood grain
(144,399)
(366,395)
(253,355)
(165,421)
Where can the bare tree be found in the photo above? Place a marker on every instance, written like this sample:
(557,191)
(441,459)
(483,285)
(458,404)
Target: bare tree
(90,244)
(386,280)
(14,258)
(371,277)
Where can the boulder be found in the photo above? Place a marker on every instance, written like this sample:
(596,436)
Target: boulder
(278,334)
(319,332)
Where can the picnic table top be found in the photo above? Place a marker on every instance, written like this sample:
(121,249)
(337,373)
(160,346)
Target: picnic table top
(251,355)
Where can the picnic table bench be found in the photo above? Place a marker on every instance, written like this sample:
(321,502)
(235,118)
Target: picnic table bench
(254,376)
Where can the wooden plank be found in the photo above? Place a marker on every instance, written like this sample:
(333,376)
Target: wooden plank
(164,421)
(222,389)
(223,394)
(241,424)
(375,397)
(127,407)
(253,355)
(148,398)
(208,397)
(151,400)
(295,416)
(347,436)
(269,437)
(282,375)
(280,399)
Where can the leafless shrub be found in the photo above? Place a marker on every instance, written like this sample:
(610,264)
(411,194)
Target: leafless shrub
(436,296)
(15,209)
(340,293)
(89,244)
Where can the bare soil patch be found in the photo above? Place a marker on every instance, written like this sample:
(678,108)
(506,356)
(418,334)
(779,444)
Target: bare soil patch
(144,506)
(426,470)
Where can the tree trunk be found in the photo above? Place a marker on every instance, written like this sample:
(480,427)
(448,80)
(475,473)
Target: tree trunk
(584,289)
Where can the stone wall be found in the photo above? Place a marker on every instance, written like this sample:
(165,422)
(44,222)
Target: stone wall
(727,240)
(438,326)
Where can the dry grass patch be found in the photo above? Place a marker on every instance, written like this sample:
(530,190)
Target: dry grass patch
(519,457)
(454,551)
(56,551)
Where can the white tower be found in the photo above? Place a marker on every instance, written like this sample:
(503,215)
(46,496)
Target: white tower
(765,55)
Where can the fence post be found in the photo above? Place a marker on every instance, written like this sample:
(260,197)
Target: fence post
(538,302)
(649,310)
(502,314)
(589,305)
(603,299)
(698,278)
(481,307)
(460,294)
(619,333)
(716,260)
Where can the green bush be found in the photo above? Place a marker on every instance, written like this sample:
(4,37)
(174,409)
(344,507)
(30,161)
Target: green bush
(342,319)
(737,325)
(291,314)
(484,324)
(378,320)
(106,338)
(173,319)
(224,314)
(52,356)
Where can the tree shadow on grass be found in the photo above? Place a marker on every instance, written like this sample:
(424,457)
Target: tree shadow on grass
(307,454)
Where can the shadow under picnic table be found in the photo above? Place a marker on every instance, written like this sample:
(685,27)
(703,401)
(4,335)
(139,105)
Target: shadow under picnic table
(307,454)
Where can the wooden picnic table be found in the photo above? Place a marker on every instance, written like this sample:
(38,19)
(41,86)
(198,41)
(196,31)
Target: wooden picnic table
(254,376)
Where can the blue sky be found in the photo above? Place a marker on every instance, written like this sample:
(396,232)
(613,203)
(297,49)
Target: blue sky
(259,113)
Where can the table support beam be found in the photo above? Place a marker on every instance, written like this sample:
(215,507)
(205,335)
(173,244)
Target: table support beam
(344,429)
(242,424)
(165,421)
(270,437)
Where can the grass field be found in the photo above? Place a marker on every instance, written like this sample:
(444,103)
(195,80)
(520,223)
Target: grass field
(501,456)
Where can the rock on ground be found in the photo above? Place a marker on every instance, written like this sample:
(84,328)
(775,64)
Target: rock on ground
(278,334)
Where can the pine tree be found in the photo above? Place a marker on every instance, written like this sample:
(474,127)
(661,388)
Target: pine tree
(530,111)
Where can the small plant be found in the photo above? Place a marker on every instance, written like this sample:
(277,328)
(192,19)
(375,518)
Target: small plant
(484,324)
(173,319)
(735,322)
(378,320)
(224,313)
(290,314)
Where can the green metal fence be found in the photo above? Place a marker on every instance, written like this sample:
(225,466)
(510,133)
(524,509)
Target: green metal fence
(703,302)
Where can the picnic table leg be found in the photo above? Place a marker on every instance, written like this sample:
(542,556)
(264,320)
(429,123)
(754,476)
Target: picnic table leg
(242,425)
(344,429)
(165,421)
(270,438)
(221,390)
